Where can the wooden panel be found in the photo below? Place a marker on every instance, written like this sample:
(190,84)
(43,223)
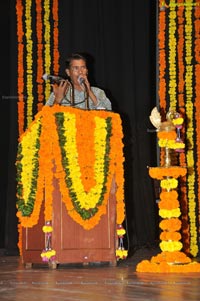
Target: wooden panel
(71,242)
(74,243)
(33,241)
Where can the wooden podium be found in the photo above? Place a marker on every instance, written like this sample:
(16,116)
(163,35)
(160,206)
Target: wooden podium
(72,243)
(45,167)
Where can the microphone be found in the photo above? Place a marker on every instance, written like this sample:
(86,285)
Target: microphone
(81,80)
(53,78)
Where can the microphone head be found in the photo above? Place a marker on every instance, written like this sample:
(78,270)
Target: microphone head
(81,80)
(53,78)
(45,76)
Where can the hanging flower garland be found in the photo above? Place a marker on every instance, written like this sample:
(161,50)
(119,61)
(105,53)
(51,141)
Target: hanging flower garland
(29,61)
(180,50)
(33,32)
(197,94)
(85,203)
(56,54)
(28,151)
(29,210)
(162,57)
(47,45)
(181,108)
(190,129)
(20,59)
(40,48)
(36,170)
(162,62)
(172,56)
(42,144)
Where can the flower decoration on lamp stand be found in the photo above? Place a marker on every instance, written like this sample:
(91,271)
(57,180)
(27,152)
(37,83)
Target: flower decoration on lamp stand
(172,258)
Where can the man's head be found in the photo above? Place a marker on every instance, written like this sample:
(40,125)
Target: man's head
(74,56)
(76,66)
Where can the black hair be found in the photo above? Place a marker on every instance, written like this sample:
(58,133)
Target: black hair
(74,56)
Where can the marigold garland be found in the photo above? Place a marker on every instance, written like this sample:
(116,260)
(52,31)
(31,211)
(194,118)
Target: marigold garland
(20,77)
(181,106)
(172,144)
(172,46)
(48,255)
(40,48)
(162,90)
(171,246)
(29,61)
(37,21)
(197,98)
(27,169)
(56,54)
(173,224)
(170,235)
(170,135)
(181,76)
(180,48)
(164,267)
(48,140)
(169,210)
(86,159)
(191,179)
(169,183)
(171,257)
(161,173)
(45,149)
(84,202)
(162,59)
(165,213)
(47,45)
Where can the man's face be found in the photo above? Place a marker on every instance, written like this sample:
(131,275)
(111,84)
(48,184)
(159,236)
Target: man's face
(77,68)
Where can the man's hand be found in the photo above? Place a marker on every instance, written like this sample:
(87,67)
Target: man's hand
(60,90)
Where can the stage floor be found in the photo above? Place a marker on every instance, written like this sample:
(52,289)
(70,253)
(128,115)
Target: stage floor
(95,282)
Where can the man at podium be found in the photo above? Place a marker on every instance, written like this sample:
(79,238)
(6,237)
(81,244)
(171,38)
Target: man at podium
(76,91)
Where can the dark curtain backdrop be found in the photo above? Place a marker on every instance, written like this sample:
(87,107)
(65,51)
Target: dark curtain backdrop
(120,39)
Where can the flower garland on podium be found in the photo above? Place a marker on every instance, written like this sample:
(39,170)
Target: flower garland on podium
(85,170)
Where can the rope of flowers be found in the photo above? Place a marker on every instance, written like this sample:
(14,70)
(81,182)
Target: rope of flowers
(191,177)
(29,61)
(33,32)
(56,54)
(47,45)
(162,57)
(162,63)
(180,50)
(181,108)
(20,66)
(172,45)
(197,97)
(29,181)
(40,48)
(49,141)
(85,203)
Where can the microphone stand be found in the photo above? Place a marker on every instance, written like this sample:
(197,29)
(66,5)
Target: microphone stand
(72,95)
(86,98)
